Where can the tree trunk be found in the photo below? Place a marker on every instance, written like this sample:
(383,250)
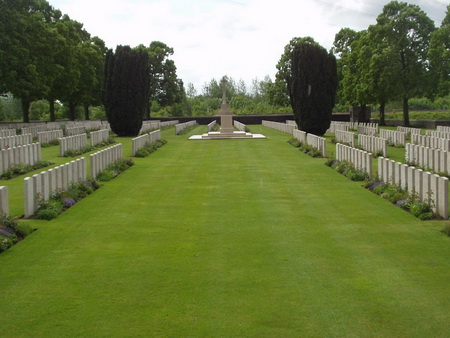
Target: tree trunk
(26,110)
(86,112)
(72,107)
(405,112)
(382,113)
(52,110)
(147,112)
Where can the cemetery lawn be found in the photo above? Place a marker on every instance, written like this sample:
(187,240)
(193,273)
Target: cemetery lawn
(228,238)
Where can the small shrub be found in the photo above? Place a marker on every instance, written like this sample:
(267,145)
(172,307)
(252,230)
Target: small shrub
(446,230)
(106,175)
(114,169)
(6,242)
(295,142)
(48,210)
(149,148)
(23,229)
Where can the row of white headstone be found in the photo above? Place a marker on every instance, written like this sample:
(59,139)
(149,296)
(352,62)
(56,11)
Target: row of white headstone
(283,127)
(367,130)
(75,131)
(140,141)
(317,142)
(239,126)
(433,159)
(45,184)
(149,126)
(346,137)
(75,142)
(445,129)
(7,132)
(14,141)
(33,130)
(373,144)
(25,154)
(211,125)
(168,123)
(409,131)
(346,126)
(359,159)
(50,135)
(338,125)
(393,136)
(180,127)
(431,142)
(430,188)
(437,133)
(103,158)
(99,136)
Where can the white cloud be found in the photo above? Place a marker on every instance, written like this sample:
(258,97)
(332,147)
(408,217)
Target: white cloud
(211,38)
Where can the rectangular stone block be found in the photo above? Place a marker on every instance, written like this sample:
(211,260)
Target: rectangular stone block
(4,201)
(29,197)
(434,196)
(443,197)
(418,183)
(426,187)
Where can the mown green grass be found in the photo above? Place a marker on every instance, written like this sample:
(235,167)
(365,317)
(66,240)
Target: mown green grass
(229,238)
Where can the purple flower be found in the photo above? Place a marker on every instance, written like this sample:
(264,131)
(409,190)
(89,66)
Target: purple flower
(68,202)
(376,184)
(400,203)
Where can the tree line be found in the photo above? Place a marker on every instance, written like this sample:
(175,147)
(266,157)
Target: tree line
(401,57)
(45,55)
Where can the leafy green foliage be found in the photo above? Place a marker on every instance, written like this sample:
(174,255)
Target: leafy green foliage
(149,148)
(403,199)
(114,169)
(12,232)
(22,169)
(62,200)
(78,152)
(304,147)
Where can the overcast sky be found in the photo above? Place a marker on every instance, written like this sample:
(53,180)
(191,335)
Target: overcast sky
(243,39)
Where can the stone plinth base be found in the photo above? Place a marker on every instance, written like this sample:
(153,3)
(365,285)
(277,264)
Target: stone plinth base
(226,136)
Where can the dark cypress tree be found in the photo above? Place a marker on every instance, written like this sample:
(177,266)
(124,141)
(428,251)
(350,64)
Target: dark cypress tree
(125,89)
(312,85)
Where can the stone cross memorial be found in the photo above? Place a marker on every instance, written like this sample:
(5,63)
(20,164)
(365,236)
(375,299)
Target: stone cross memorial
(226,123)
